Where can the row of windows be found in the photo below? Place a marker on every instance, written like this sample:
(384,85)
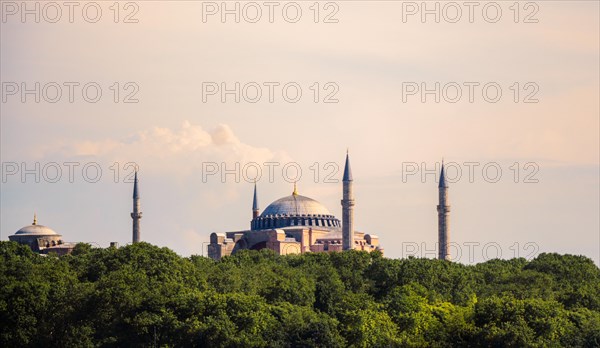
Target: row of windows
(263,222)
(54,243)
(276,216)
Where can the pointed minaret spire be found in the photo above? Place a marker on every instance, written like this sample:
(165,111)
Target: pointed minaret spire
(136,192)
(347,169)
(255,209)
(347,207)
(136,215)
(442,182)
(443,218)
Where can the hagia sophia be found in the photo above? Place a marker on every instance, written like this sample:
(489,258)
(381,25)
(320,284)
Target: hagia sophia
(297,224)
(293,224)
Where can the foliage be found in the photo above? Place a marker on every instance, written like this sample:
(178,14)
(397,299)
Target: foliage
(143,295)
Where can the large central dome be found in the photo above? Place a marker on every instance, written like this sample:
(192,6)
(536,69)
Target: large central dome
(294,210)
(295,205)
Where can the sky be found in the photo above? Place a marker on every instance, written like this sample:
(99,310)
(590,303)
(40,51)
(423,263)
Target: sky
(197,99)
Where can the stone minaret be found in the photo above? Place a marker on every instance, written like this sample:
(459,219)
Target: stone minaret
(255,209)
(443,216)
(347,208)
(137,214)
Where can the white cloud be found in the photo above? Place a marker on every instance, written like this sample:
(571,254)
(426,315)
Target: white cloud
(160,149)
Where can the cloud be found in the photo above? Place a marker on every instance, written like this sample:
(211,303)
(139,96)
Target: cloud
(162,149)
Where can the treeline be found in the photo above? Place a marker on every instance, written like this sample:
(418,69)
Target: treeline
(145,296)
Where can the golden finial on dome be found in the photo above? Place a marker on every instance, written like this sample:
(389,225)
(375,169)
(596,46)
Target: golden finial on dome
(295,193)
(34,219)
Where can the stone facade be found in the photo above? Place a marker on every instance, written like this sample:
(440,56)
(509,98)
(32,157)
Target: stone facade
(287,240)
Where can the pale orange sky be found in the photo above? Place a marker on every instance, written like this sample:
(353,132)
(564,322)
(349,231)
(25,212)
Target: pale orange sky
(368,54)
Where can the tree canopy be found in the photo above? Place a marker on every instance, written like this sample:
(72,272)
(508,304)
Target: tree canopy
(144,295)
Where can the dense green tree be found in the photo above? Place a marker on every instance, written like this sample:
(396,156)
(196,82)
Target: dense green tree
(141,295)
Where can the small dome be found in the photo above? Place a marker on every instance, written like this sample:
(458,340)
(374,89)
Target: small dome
(35,229)
(39,230)
(295,205)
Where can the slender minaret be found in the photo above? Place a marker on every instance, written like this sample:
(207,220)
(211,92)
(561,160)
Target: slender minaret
(443,215)
(347,208)
(137,214)
(255,209)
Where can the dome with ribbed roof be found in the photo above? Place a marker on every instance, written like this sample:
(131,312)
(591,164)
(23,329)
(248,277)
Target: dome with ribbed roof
(295,210)
(295,205)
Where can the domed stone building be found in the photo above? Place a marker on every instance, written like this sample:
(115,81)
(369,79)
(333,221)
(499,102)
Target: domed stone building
(297,224)
(41,239)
